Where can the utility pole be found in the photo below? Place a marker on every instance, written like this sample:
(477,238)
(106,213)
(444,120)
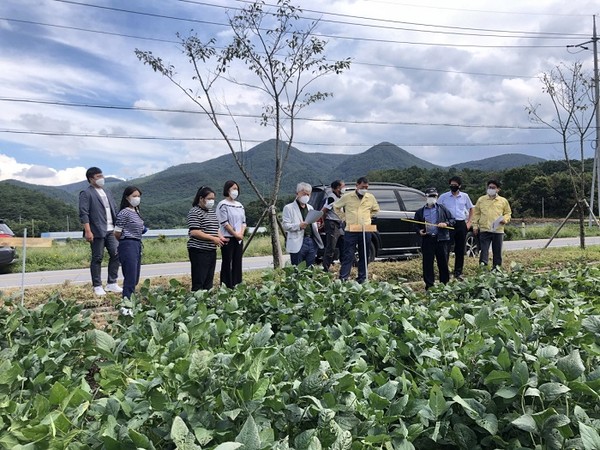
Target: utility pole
(596,170)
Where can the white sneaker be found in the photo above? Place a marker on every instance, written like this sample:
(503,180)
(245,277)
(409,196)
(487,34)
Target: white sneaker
(114,287)
(99,291)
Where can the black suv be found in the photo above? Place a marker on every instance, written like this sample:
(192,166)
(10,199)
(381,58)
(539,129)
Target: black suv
(8,254)
(395,237)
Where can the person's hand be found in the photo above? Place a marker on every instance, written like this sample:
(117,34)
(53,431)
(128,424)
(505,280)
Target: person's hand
(422,232)
(475,231)
(469,223)
(442,225)
(89,236)
(502,221)
(303,225)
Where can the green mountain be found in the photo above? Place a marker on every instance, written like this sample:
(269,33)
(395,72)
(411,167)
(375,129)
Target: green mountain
(501,162)
(381,156)
(28,206)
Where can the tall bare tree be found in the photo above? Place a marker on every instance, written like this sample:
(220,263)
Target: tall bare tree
(284,58)
(570,90)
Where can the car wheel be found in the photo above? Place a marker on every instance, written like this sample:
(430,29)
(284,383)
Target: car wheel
(472,245)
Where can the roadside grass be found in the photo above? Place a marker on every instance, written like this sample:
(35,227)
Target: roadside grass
(407,272)
(75,254)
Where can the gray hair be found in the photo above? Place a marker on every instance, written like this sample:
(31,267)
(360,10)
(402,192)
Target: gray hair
(303,187)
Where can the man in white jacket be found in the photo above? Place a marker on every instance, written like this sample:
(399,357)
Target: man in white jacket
(303,239)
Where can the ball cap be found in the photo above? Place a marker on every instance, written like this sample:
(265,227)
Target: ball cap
(431,192)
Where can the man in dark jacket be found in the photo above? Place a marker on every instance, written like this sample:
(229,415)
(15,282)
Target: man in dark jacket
(433,229)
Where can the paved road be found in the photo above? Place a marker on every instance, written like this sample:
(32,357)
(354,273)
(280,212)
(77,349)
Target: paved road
(54,277)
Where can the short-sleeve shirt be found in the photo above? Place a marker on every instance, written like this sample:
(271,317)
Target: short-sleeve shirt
(130,224)
(204,220)
(232,213)
(458,205)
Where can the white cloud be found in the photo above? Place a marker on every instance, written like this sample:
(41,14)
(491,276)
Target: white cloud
(10,169)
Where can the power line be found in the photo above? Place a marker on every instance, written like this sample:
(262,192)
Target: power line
(353,38)
(257,116)
(253,141)
(359,63)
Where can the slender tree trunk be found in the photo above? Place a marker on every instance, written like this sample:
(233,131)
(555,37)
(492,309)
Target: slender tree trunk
(580,207)
(275,243)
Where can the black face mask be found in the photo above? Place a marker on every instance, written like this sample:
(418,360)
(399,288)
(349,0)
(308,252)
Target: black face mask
(454,188)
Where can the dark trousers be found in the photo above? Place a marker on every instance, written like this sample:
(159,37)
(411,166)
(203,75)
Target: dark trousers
(333,232)
(352,240)
(130,255)
(485,239)
(307,253)
(459,237)
(98,244)
(231,263)
(203,264)
(433,249)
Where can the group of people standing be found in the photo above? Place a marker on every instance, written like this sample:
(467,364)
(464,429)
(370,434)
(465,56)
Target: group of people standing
(346,215)
(120,233)
(447,219)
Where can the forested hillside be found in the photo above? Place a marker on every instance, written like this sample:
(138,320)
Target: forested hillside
(23,207)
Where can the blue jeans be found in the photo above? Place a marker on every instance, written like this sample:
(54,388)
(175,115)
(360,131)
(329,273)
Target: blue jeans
(351,241)
(130,255)
(485,239)
(110,242)
(307,253)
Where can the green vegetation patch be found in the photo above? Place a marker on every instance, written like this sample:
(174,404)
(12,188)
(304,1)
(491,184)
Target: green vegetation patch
(502,360)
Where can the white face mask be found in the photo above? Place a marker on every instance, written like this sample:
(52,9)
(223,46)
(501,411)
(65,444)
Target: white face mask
(99,182)
(134,201)
(362,191)
(431,201)
(304,199)
(492,192)
(209,204)
(234,193)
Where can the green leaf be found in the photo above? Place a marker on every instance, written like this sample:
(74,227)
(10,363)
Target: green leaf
(520,374)
(57,393)
(589,437)
(199,364)
(507,392)
(261,338)
(335,360)
(551,391)
(229,446)
(181,435)
(571,365)
(102,341)
(140,440)
(9,372)
(388,390)
(203,436)
(437,402)
(526,423)
(592,324)
(547,351)
(496,376)
(249,434)
(457,377)
(489,422)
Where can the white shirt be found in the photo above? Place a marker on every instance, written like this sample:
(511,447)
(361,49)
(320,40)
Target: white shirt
(458,205)
(109,221)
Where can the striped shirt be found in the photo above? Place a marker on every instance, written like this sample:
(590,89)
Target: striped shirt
(130,224)
(206,221)
(232,213)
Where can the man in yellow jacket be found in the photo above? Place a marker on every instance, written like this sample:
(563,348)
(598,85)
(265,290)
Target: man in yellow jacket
(490,214)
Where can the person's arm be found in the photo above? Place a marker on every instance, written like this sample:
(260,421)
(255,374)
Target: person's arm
(84,214)
(338,207)
(287,219)
(374,207)
(507,212)
(476,217)
(199,234)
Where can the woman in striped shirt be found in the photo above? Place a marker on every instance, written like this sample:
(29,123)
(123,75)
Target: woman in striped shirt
(204,238)
(129,228)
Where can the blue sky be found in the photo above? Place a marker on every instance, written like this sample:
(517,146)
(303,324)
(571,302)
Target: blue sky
(422,76)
